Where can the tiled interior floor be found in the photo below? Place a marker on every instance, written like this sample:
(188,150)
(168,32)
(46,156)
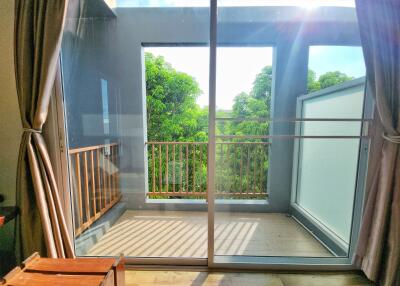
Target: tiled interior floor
(184,234)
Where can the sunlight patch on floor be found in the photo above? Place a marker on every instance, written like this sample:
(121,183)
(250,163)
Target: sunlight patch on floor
(184,234)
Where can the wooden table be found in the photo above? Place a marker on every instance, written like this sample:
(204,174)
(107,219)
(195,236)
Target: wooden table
(37,271)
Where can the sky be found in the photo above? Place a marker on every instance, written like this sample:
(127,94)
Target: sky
(349,60)
(237,67)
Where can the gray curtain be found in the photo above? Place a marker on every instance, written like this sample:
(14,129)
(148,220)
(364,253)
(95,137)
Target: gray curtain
(38,31)
(378,252)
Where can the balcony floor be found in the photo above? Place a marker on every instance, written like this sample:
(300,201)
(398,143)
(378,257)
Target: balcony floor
(184,234)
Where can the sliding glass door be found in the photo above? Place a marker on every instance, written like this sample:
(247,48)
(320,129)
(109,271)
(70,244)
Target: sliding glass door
(289,148)
(223,132)
(136,94)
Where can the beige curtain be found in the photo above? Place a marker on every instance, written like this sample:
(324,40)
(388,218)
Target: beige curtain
(378,252)
(38,31)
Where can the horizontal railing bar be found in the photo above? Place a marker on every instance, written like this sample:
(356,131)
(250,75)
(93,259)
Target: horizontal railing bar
(288,137)
(89,148)
(204,143)
(178,194)
(263,137)
(242,194)
(175,143)
(244,143)
(293,119)
(185,194)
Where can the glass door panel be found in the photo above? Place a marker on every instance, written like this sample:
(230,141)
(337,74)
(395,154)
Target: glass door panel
(284,178)
(242,154)
(289,143)
(136,95)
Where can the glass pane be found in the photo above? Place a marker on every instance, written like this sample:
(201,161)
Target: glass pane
(288,128)
(332,177)
(136,97)
(243,97)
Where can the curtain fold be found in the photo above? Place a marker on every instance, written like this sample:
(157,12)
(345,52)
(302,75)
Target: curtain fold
(38,32)
(378,252)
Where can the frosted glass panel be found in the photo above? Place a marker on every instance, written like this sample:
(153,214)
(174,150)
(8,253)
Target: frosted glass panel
(327,168)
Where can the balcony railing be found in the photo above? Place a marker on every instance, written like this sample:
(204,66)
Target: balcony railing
(95,182)
(179,170)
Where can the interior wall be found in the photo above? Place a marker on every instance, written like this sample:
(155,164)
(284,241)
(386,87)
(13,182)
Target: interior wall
(10,126)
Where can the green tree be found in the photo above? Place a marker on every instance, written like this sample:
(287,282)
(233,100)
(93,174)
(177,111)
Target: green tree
(312,83)
(256,104)
(248,106)
(333,78)
(172,111)
(262,85)
(173,115)
(241,105)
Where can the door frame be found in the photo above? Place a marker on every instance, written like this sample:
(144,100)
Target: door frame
(274,262)
(212,261)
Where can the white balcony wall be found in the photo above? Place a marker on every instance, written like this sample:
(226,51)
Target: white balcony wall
(327,168)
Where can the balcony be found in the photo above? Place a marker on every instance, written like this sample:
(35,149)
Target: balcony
(179,170)
(181,233)
(96,182)
(169,216)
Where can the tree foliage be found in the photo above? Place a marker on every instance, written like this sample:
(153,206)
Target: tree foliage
(257,104)
(172,111)
(173,115)
(325,80)
(312,83)
(333,78)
